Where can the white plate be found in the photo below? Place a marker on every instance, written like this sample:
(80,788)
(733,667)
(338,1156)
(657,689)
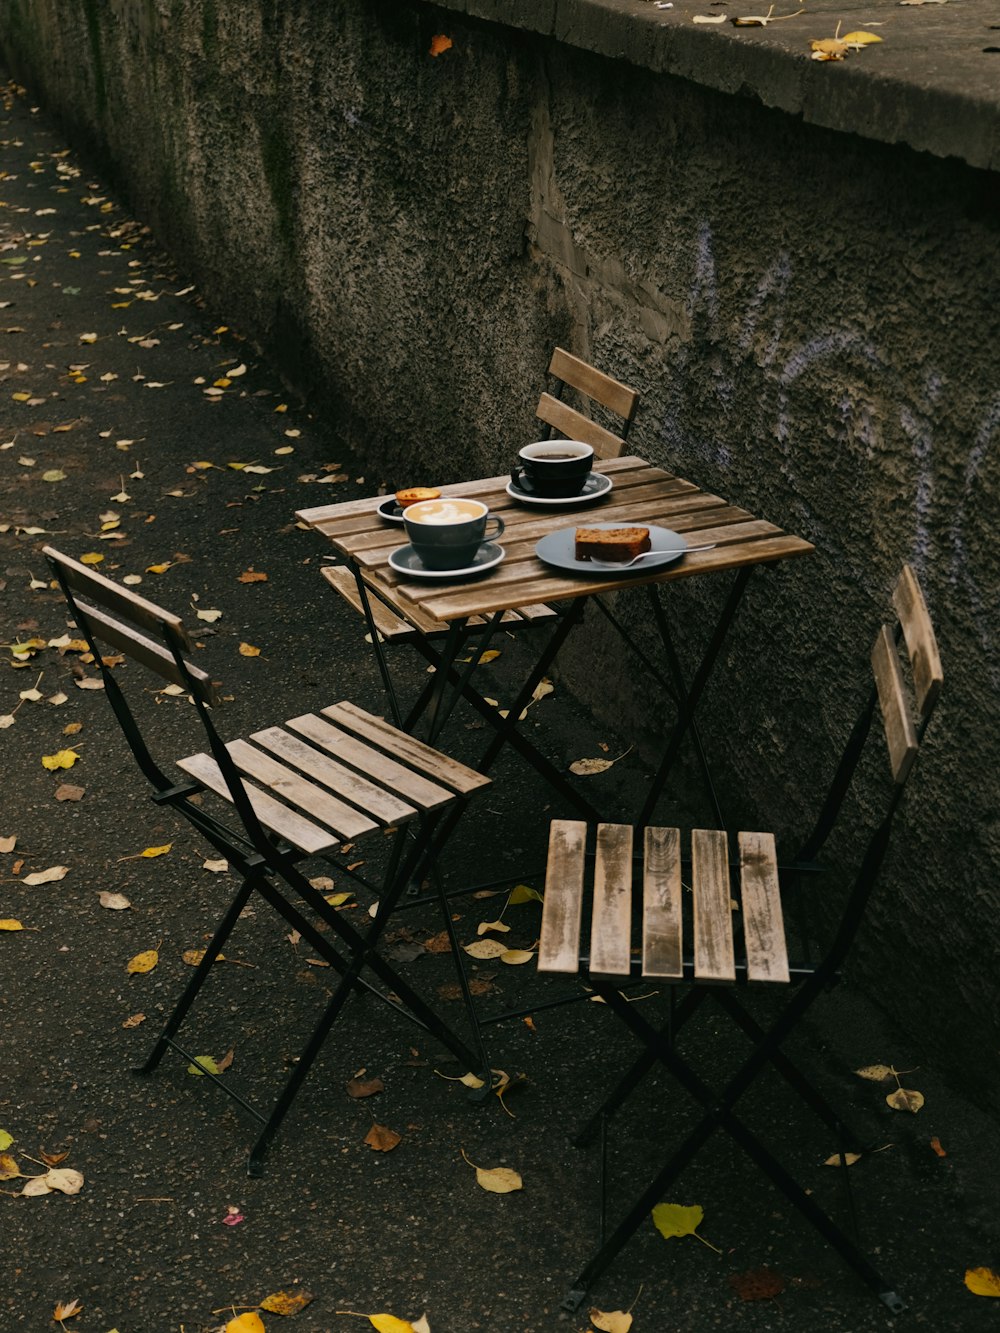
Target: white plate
(404,560)
(596,485)
(559,549)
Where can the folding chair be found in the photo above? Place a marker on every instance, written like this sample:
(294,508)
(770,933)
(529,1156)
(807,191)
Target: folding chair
(615,402)
(297,791)
(726,934)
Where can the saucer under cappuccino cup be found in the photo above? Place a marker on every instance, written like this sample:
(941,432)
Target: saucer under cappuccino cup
(447,533)
(555,468)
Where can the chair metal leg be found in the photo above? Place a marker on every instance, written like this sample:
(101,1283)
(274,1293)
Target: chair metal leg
(222,933)
(719,1114)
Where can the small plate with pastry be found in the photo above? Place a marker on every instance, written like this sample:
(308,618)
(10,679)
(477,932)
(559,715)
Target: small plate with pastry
(391,508)
(607,549)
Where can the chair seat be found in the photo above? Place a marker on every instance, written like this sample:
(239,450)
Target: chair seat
(380,777)
(728,928)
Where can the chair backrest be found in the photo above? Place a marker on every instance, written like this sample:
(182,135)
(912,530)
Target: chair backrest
(111,614)
(903,723)
(594,387)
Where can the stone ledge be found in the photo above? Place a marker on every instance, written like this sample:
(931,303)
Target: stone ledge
(929,84)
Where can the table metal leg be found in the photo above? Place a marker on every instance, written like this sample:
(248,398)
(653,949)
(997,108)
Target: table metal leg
(688,704)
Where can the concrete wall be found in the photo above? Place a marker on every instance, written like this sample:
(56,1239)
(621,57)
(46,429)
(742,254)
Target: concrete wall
(811,317)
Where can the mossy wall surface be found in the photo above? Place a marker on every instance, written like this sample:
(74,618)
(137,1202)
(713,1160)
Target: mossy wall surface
(811,319)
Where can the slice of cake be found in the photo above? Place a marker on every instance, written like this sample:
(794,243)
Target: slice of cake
(611,543)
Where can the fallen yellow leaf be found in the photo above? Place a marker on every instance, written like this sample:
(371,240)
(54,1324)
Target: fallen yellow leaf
(91,558)
(250,1322)
(9,1169)
(62,759)
(495,1179)
(982,1281)
(614,1321)
(248,650)
(286,1302)
(157,851)
(10,924)
(144,962)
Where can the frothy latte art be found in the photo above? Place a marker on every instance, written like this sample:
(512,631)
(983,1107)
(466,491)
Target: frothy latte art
(444,511)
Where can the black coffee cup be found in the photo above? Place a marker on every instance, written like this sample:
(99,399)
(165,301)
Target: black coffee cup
(447,533)
(553,468)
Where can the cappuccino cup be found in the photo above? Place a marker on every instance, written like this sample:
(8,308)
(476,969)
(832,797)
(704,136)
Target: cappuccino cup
(447,533)
(553,468)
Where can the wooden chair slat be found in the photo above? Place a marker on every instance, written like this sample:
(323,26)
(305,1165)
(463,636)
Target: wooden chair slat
(575,426)
(921,641)
(348,749)
(113,597)
(662,925)
(559,943)
(900,733)
(713,917)
(149,654)
(293,788)
(274,816)
(594,383)
(348,784)
(611,923)
(439,767)
(763,921)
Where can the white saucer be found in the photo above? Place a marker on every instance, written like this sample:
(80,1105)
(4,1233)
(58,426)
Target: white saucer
(404,560)
(596,485)
(390,510)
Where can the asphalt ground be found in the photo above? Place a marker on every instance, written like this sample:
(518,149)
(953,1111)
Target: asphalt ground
(108,355)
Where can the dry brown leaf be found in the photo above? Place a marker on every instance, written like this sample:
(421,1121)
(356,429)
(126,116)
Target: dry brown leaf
(115,902)
(364,1087)
(68,791)
(485,949)
(757,1284)
(877,1073)
(69,1309)
(47,876)
(248,650)
(905,1099)
(936,1146)
(134,1020)
(382,1139)
(843,1159)
(7,844)
(252,575)
(65,1180)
